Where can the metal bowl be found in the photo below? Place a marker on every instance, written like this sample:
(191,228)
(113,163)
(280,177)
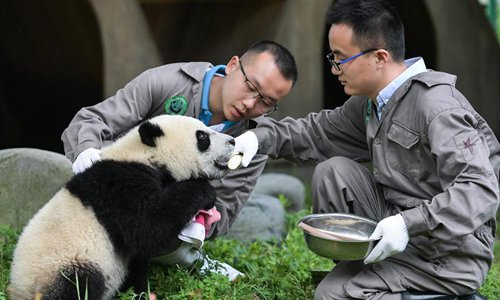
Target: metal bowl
(338,236)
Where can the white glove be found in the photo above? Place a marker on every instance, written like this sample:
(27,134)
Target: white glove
(246,144)
(85,159)
(193,233)
(185,256)
(188,255)
(215,266)
(394,238)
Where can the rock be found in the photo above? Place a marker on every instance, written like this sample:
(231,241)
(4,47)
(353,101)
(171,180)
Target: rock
(262,218)
(28,179)
(276,184)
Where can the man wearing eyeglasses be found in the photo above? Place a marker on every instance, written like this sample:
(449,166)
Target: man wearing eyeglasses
(229,98)
(433,185)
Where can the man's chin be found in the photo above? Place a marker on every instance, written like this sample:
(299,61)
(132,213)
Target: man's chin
(351,92)
(235,118)
(348,91)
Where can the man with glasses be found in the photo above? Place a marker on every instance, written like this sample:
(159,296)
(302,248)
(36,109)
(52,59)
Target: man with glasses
(229,98)
(432,184)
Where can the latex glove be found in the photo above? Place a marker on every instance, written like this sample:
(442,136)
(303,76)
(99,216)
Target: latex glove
(85,159)
(193,233)
(394,238)
(215,266)
(246,144)
(185,256)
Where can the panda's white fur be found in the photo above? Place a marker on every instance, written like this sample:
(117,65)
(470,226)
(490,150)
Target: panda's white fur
(63,230)
(177,151)
(169,154)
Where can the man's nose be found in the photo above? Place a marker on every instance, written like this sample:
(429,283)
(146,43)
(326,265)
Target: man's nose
(251,102)
(335,71)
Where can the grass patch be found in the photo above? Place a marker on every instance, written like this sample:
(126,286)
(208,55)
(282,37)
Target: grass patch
(272,271)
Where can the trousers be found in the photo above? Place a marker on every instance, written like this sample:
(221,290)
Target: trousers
(344,186)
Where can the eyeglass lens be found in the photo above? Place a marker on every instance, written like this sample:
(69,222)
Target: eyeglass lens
(336,65)
(264,105)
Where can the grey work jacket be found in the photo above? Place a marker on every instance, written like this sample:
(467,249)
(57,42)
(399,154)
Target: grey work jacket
(433,155)
(143,98)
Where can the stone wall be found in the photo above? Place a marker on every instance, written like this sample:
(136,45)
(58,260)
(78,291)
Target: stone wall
(57,58)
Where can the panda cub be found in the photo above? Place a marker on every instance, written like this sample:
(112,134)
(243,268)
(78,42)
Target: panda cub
(108,221)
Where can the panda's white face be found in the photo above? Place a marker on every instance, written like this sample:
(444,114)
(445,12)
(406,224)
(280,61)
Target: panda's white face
(184,145)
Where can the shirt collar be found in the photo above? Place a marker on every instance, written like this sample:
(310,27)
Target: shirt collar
(414,66)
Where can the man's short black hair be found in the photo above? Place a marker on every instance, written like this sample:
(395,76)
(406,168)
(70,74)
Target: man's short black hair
(375,24)
(283,59)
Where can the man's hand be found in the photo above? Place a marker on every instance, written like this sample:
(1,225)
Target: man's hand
(246,144)
(394,238)
(86,159)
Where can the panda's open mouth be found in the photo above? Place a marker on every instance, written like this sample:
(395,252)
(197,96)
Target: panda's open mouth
(221,165)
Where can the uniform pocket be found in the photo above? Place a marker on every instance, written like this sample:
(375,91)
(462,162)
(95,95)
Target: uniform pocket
(404,151)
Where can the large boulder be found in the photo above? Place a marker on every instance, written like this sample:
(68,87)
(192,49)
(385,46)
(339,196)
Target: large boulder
(264,217)
(28,179)
(277,184)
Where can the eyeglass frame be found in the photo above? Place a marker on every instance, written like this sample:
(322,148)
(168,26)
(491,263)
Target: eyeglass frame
(264,100)
(336,65)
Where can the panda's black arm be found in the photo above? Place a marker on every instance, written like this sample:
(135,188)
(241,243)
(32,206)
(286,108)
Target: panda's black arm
(142,209)
(178,204)
(160,218)
(123,196)
(190,196)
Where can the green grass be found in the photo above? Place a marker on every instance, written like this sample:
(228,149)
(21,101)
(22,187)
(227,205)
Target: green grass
(272,271)
(498,21)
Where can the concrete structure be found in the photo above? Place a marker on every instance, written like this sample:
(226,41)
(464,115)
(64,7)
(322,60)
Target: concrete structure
(57,57)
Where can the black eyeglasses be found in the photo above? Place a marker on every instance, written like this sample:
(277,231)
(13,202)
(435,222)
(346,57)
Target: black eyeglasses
(264,105)
(336,65)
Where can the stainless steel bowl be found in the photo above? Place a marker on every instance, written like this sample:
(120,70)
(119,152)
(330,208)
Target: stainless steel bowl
(338,236)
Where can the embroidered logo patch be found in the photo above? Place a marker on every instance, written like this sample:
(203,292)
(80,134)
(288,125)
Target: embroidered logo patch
(176,105)
(467,142)
(469,145)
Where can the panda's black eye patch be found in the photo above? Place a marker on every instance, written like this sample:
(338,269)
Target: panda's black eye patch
(203,140)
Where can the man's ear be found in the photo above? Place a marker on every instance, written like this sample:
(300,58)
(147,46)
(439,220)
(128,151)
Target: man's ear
(232,65)
(383,56)
(149,132)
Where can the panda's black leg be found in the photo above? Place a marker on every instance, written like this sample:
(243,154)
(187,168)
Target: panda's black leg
(138,268)
(91,282)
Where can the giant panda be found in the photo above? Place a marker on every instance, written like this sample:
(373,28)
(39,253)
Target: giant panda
(106,223)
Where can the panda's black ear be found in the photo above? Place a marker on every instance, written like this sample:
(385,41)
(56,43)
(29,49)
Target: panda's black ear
(149,132)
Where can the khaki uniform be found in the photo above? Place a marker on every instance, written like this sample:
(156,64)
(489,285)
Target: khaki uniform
(435,160)
(145,97)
